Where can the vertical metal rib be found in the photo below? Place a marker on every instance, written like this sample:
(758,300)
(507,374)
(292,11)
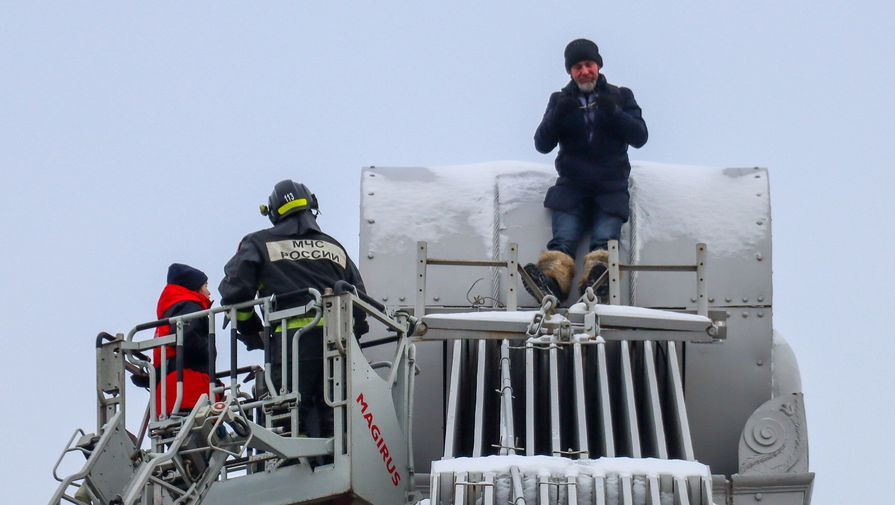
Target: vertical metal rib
(516,479)
(580,405)
(450,431)
(434,492)
(572,490)
(478,434)
(632,432)
(678,406)
(653,496)
(605,405)
(681,494)
(627,491)
(555,445)
(513,276)
(706,490)
(599,490)
(488,490)
(529,401)
(422,254)
(654,407)
(506,400)
(543,490)
(460,488)
(702,303)
(506,390)
(614,274)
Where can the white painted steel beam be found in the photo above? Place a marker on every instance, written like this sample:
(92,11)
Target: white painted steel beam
(654,406)
(632,430)
(479,400)
(679,405)
(580,403)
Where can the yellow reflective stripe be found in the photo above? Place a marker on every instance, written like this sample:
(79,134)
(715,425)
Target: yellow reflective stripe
(298,322)
(244,315)
(291,205)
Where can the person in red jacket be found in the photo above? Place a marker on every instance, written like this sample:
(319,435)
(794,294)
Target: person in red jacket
(186,292)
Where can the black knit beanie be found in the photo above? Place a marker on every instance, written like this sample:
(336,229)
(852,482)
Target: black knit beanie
(186,276)
(581,50)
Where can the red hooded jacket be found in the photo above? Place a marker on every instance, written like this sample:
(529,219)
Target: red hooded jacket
(177,300)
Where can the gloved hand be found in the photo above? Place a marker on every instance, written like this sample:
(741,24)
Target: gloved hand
(564,106)
(252,341)
(606,105)
(140,380)
(361,327)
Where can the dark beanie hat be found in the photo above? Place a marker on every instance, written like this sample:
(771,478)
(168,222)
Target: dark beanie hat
(581,50)
(186,276)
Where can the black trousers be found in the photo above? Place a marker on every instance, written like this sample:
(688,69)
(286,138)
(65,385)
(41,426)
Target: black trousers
(315,417)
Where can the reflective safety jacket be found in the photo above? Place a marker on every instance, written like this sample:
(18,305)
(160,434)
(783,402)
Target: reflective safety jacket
(292,255)
(177,300)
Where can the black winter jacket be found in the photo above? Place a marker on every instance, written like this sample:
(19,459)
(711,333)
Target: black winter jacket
(195,337)
(289,256)
(592,162)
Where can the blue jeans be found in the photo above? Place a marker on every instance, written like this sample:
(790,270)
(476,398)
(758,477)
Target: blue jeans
(568,228)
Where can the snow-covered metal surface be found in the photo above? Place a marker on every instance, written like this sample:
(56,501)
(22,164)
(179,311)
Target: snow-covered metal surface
(561,481)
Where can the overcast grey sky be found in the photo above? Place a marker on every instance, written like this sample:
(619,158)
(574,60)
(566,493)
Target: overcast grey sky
(137,135)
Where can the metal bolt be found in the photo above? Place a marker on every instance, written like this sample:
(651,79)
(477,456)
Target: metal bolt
(371,221)
(384,298)
(401,298)
(760,314)
(757,194)
(760,298)
(758,256)
(758,496)
(757,176)
(759,222)
(727,299)
(372,175)
(711,300)
(745,315)
(370,255)
(745,299)
(759,363)
(370,193)
(436,298)
(693,299)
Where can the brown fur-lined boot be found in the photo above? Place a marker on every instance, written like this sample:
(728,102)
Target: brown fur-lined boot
(594,265)
(552,274)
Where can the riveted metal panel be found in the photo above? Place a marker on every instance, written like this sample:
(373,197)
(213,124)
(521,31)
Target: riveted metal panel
(396,213)
(724,383)
(728,210)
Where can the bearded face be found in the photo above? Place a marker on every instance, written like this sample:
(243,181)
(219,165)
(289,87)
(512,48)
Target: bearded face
(585,74)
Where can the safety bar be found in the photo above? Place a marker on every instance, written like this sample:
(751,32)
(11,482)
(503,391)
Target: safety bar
(133,347)
(615,267)
(423,261)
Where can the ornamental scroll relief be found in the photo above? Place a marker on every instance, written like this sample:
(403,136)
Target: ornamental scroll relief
(775,439)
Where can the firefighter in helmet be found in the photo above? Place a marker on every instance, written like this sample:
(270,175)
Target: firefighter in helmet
(293,254)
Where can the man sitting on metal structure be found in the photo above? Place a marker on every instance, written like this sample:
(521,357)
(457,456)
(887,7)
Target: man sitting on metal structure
(593,122)
(291,255)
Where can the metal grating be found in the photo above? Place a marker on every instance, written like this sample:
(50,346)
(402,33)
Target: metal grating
(579,401)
